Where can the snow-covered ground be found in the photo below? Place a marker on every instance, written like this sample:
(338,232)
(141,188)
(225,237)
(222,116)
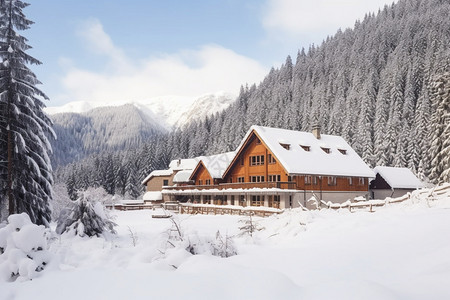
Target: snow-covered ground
(401,251)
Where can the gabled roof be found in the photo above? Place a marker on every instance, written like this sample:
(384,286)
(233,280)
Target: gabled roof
(175,165)
(215,164)
(400,178)
(296,160)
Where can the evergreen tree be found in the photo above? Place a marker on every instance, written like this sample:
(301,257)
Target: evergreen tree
(71,188)
(24,126)
(440,140)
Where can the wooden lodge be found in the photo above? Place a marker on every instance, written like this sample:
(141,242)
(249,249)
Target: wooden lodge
(276,168)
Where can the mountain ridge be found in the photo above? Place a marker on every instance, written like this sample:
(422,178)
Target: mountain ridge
(169,112)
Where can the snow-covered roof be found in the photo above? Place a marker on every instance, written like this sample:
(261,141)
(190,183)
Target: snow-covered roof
(131,202)
(182,176)
(341,160)
(152,196)
(217,164)
(175,165)
(157,173)
(183,164)
(400,178)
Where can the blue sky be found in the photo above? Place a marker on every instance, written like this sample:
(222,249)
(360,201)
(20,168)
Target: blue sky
(115,50)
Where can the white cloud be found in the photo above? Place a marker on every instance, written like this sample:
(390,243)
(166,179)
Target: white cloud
(296,17)
(208,69)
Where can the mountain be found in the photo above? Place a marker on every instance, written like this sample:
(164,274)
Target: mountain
(100,129)
(85,128)
(168,111)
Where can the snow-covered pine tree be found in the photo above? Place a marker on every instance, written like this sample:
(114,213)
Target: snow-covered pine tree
(71,186)
(86,218)
(24,126)
(440,130)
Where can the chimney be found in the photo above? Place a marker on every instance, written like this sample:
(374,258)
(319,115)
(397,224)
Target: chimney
(316,131)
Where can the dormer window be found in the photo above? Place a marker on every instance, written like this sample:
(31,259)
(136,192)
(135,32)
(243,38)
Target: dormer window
(343,151)
(306,148)
(326,150)
(285,146)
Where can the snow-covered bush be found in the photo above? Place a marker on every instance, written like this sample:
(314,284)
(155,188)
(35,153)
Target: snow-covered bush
(194,244)
(23,249)
(88,217)
(250,226)
(223,246)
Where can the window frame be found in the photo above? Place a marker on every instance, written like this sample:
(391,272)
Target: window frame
(332,181)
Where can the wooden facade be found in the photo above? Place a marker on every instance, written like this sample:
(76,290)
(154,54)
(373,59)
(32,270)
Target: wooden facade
(246,169)
(201,176)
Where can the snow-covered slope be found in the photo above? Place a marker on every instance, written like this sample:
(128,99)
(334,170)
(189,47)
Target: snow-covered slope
(167,111)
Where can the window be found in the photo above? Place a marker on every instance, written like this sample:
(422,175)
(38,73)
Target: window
(165,182)
(289,178)
(285,146)
(306,148)
(256,178)
(230,180)
(308,179)
(240,179)
(314,178)
(208,182)
(273,178)
(274,201)
(362,181)
(271,159)
(257,160)
(241,200)
(207,199)
(232,199)
(326,150)
(200,182)
(350,181)
(257,200)
(343,151)
(331,180)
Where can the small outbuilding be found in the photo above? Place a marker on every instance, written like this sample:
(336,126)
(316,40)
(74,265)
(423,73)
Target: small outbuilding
(393,182)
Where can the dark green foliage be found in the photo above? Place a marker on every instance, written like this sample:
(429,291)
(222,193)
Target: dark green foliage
(26,173)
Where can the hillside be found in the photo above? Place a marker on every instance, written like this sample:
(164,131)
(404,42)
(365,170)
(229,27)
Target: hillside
(100,129)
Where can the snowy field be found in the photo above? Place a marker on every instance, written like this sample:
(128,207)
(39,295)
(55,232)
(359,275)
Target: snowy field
(401,251)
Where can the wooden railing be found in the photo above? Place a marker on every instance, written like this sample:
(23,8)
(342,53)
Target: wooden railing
(238,185)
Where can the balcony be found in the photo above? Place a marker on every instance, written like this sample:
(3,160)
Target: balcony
(238,185)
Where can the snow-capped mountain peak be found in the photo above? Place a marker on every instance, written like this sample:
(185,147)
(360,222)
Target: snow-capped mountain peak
(168,111)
